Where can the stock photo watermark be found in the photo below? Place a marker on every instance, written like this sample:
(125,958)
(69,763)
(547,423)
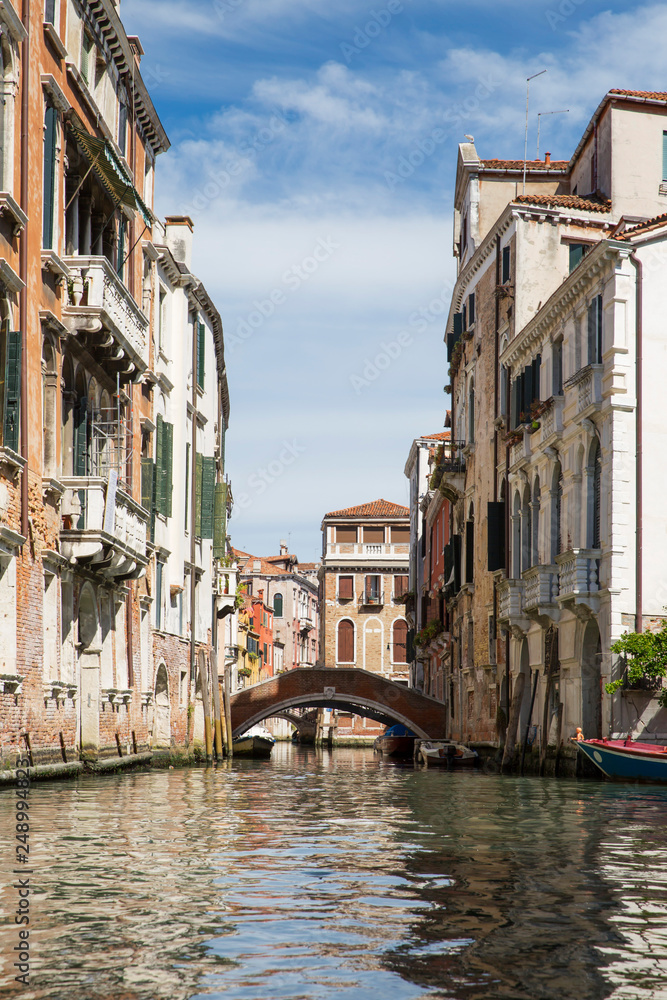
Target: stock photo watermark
(419,321)
(292,279)
(561,13)
(259,481)
(378,21)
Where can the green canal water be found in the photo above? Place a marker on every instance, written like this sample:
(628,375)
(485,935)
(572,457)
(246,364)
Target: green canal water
(335,876)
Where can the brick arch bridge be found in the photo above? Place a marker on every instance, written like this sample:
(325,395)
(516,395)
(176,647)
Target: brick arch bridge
(344,688)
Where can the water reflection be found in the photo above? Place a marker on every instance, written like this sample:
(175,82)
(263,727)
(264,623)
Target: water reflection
(327,876)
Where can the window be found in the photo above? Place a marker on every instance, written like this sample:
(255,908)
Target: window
(346,534)
(162,321)
(205,496)
(576,251)
(401,584)
(372,590)
(400,536)
(400,642)
(345,652)
(201,353)
(278,605)
(87,58)
(159,593)
(8,612)
(10,385)
(164,451)
(345,588)
(49,179)
(557,368)
(596,533)
(492,640)
(556,516)
(50,11)
(595,331)
(664,156)
(506,270)
(471,309)
(471,413)
(374,535)
(122,124)
(470,547)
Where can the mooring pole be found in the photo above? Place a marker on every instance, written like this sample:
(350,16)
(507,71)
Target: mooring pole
(217,721)
(203,673)
(229,747)
(530,715)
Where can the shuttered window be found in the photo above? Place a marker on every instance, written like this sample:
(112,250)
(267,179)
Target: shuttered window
(471,309)
(506,265)
(148,492)
(345,588)
(122,126)
(220,521)
(50,127)
(346,534)
(400,637)
(576,251)
(205,495)
(199,464)
(187,485)
(400,536)
(401,584)
(50,11)
(557,368)
(164,459)
(470,551)
(201,353)
(374,535)
(10,385)
(81,437)
(345,641)
(595,331)
(277,605)
(597,499)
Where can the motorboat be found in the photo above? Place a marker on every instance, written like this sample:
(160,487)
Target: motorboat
(396,741)
(445,753)
(256,742)
(626,760)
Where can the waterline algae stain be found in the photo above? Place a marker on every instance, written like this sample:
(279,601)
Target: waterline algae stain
(335,876)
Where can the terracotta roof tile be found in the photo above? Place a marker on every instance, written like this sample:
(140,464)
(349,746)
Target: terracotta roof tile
(651,95)
(591,204)
(559,165)
(267,568)
(440,436)
(376,508)
(643,227)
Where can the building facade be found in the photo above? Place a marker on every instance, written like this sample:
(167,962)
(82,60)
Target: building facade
(80,367)
(548,353)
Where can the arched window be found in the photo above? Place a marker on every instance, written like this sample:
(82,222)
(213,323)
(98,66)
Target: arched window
(535,521)
(471,412)
(470,546)
(345,652)
(516,537)
(277,605)
(596,489)
(526,533)
(49,405)
(400,642)
(556,511)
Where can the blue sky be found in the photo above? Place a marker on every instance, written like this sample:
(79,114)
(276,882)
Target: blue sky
(314,145)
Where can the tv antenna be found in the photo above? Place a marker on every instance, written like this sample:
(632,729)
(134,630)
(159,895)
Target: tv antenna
(541,115)
(525,145)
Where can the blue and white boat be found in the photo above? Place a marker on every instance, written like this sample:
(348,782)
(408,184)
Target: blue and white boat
(627,760)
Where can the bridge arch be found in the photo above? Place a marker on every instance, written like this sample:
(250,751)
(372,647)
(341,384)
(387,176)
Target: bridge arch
(347,689)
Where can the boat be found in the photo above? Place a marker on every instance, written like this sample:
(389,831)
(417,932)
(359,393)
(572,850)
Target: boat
(626,760)
(256,742)
(445,753)
(396,741)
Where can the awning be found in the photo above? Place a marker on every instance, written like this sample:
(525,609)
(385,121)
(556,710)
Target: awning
(111,172)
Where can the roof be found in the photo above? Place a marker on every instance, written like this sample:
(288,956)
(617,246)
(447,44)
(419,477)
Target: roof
(657,222)
(308,567)
(591,204)
(266,568)
(376,508)
(648,95)
(542,165)
(440,436)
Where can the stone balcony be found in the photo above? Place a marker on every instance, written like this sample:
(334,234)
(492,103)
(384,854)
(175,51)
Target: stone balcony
(103,314)
(520,451)
(103,528)
(579,579)
(585,387)
(551,422)
(541,593)
(511,603)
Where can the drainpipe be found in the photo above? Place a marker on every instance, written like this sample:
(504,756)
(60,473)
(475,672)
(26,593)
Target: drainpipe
(23,263)
(639,596)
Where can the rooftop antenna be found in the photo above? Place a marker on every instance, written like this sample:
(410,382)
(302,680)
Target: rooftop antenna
(540,115)
(525,145)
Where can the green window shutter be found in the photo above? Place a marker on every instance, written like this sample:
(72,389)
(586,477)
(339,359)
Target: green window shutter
(159,465)
(50,128)
(121,247)
(81,438)
(11,387)
(148,493)
(220,522)
(168,457)
(201,353)
(207,497)
(199,465)
(187,484)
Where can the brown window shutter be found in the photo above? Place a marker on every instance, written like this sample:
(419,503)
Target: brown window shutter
(345,641)
(400,536)
(400,642)
(345,588)
(374,535)
(400,585)
(346,534)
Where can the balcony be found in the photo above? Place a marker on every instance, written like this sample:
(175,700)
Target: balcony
(103,528)
(511,604)
(579,579)
(586,387)
(520,450)
(384,552)
(541,593)
(449,474)
(103,315)
(551,421)
(306,624)
(374,599)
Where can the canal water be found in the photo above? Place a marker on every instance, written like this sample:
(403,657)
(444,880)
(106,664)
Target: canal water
(324,875)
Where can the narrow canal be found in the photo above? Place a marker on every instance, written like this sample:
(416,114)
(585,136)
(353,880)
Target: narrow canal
(334,876)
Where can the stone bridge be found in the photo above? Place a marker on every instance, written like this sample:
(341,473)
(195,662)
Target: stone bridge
(344,688)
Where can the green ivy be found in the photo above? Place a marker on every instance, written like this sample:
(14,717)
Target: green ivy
(647,652)
(428,633)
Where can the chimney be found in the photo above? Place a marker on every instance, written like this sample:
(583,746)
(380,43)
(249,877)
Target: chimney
(547,158)
(178,233)
(283,547)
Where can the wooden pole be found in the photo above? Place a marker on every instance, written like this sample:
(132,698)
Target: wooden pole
(203,673)
(513,723)
(215,683)
(228,710)
(530,716)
